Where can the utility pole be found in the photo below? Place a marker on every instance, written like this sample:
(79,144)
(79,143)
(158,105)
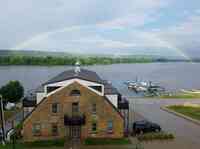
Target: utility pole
(2,119)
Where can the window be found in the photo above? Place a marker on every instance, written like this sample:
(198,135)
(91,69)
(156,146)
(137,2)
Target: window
(52,88)
(75,93)
(94,108)
(55,108)
(75,107)
(94,127)
(36,129)
(97,88)
(110,126)
(54,130)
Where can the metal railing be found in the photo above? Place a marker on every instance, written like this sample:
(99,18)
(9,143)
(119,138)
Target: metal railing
(78,119)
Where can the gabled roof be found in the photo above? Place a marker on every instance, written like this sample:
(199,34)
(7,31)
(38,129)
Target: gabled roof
(36,105)
(70,74)
(85,75)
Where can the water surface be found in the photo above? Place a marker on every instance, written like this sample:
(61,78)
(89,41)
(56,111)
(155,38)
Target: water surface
(173,76)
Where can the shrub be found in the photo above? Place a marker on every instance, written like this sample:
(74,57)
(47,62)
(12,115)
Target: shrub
(155,136)
(106,141)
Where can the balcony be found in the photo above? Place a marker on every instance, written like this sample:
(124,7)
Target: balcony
(123,103)
(75,120)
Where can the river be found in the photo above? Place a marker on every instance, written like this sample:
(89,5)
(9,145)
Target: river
(173,76)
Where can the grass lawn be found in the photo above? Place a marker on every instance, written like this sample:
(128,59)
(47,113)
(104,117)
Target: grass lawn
(21,146)
(50,144)
(106,141)
(193,112)
(182,95)
(9,146)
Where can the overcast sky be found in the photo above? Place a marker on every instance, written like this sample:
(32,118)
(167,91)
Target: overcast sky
(164,27)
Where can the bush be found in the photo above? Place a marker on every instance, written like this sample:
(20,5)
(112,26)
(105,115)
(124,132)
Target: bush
(106,141)
(18,129)
(155,136)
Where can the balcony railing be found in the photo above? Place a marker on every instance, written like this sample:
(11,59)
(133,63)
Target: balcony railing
(74,120)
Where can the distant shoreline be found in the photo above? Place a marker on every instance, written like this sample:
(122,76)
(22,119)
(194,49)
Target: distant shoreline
(70,60)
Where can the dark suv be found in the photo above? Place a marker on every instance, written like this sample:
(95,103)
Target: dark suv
(145,126)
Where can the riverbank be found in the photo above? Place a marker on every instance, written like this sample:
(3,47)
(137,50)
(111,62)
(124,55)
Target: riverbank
(69,60)
(84,60)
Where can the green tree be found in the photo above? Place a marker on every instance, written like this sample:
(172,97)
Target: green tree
(12,92)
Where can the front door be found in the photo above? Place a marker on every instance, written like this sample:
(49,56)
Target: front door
(75,132)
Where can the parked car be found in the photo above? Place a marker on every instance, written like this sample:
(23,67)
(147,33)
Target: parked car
(145,126)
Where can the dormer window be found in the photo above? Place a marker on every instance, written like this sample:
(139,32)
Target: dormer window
(75,93)
(97,88)
(52,88)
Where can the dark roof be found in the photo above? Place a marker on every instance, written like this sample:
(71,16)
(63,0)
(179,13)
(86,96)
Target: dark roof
(29,103)
(109,89)
(85,75)
(39,89)
(70,74)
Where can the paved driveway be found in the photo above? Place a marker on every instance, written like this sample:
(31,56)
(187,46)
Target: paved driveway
(187,133)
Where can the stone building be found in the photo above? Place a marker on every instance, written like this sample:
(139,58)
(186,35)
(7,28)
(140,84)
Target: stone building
(75,104)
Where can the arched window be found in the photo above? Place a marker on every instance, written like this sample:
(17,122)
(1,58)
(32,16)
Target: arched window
(75,93)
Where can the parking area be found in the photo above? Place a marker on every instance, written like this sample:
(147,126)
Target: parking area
(187,133)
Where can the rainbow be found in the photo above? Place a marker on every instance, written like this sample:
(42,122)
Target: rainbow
(40,37)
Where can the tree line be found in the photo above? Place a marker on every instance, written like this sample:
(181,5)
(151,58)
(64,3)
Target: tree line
(67,60)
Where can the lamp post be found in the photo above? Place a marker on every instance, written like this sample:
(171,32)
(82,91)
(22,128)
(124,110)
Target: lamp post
(13,136)
(134,105)
(2,119)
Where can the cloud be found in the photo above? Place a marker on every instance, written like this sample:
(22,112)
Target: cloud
(96,41)
(184,36)
(134,20)
(104,14)
(106,26)
(67,13)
